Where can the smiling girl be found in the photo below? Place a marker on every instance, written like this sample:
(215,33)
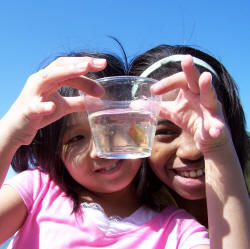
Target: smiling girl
(201,144)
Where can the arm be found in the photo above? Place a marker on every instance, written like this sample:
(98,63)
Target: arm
(38,105)
(227,199)
(12,212)
(197,111)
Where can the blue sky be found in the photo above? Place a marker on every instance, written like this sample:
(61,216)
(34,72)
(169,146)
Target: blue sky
(32,31)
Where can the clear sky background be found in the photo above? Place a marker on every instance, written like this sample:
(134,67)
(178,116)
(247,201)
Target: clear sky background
(32,31)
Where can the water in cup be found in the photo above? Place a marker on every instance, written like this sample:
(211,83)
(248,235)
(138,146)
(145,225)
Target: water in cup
(123,133)
(123,120)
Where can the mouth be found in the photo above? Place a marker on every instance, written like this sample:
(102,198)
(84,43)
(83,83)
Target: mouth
(190,173)
(106,168)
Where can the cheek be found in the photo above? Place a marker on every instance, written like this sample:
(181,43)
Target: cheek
(159,154)
(134,164)
(160,158)
(73,157)
(157,160)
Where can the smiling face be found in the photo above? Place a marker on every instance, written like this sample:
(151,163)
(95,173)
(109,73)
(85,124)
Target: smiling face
(176,160)
(96,174)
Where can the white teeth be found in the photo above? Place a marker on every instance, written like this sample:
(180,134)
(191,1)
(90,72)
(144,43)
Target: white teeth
(110,167)
(192,173)
(101,167)
(200,172)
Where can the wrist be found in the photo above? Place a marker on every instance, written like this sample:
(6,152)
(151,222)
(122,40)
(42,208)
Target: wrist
(219,144)
(12,133)
(224,158)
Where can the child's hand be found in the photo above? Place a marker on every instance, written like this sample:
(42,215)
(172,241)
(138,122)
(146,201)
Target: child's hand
(40,104)
(196,109)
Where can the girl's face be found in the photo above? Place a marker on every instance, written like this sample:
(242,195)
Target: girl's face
(98,175)
(176,160)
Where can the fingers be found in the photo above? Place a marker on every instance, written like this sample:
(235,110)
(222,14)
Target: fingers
(41,108)
(214,124)
(188,79)
(47,112)
(94,63)
(73,104)
(84,84)
(67,105)
(208,95)
(59,73)
(191,73)
(172,82)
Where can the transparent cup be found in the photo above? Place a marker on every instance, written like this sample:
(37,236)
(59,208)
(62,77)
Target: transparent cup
(123,121)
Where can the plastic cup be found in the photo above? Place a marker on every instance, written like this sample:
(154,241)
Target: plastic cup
(123,121)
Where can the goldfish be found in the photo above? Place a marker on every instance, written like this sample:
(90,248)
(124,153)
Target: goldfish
(138,135)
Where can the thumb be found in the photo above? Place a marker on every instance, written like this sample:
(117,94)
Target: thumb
(73,104)
(42,108)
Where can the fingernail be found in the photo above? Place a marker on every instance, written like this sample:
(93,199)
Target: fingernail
(98,62)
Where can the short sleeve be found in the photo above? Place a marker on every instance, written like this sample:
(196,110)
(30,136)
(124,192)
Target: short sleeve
(190,233)
(28,184)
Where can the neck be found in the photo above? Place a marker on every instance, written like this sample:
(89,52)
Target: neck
(121,203)
(196,208)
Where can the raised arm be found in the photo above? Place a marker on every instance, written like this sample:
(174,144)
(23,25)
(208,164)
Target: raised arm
(38,105)
(198,111)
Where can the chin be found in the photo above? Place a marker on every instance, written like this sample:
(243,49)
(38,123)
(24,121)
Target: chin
(191,196)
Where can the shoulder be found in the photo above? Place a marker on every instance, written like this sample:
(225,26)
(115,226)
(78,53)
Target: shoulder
(29,174)
(177,227)
(186,229)
(181,218)
(29,179)
(29,184)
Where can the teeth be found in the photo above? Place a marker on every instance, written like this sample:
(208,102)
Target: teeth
(110,167)
(200,172)
(192,173)
(97,167)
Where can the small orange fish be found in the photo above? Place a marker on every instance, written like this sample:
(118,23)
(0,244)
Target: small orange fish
(138,135)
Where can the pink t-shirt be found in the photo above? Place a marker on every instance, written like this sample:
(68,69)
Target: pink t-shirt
(50,223)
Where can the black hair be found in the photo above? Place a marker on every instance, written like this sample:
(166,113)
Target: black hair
(225,86)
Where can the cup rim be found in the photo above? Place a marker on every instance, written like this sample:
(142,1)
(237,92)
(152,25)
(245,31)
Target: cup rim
(132,77)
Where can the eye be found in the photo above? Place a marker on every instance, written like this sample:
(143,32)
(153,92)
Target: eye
(165,132)
(166,135)
(75,139)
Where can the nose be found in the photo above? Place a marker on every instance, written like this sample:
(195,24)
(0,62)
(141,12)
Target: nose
(187,148)
(93,152)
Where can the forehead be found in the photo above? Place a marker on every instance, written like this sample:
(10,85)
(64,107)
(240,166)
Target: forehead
(77,118)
